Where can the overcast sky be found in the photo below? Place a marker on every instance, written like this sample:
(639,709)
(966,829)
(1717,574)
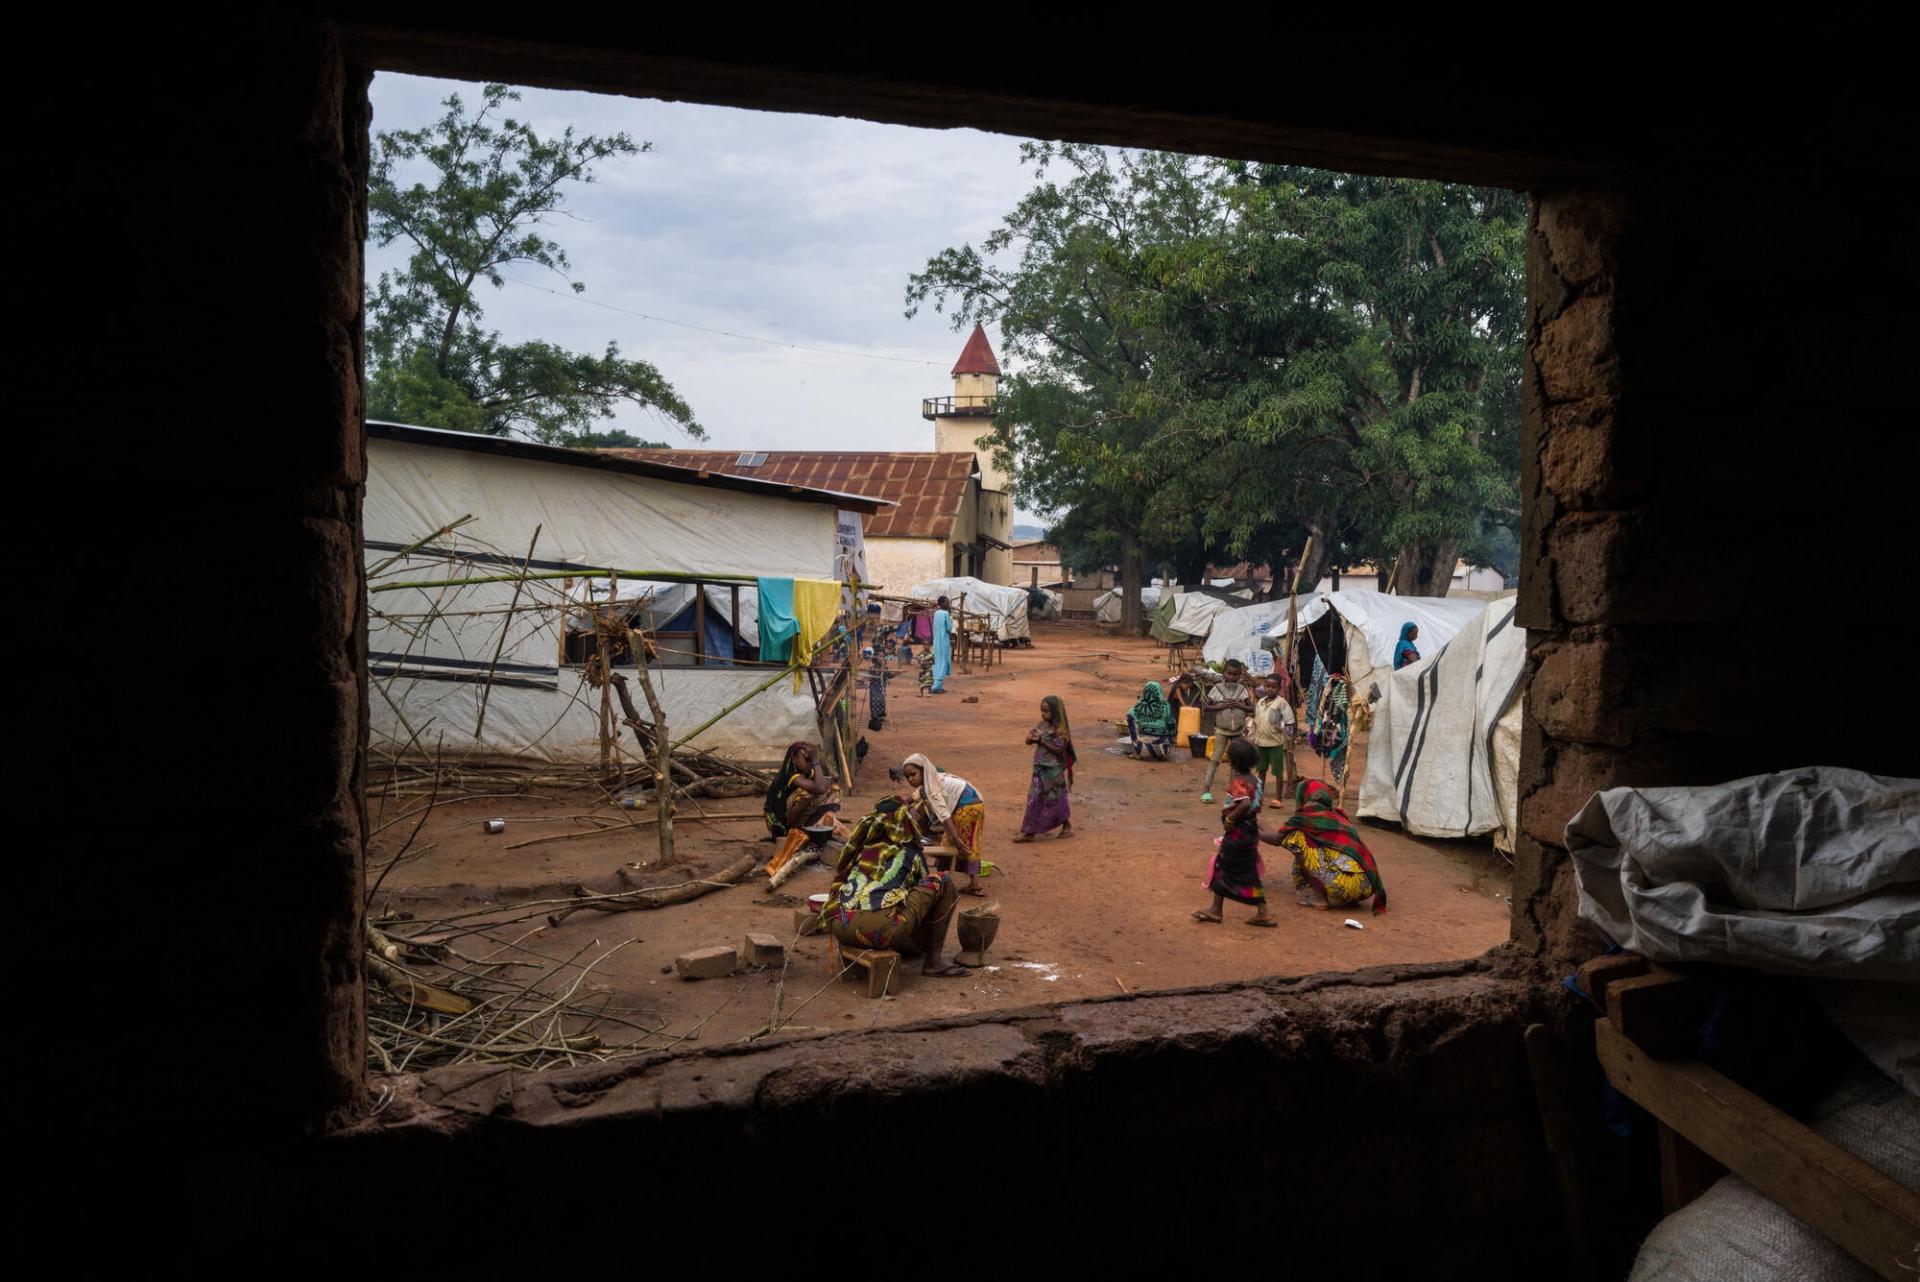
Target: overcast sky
(801,229)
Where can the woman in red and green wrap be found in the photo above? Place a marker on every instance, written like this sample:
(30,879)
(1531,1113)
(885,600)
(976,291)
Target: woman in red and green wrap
(1332,867)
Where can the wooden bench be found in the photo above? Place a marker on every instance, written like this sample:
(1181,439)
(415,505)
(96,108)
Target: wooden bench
(881,964)
(1710,1125)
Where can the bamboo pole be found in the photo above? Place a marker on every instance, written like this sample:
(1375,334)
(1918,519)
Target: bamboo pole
(657,576)
(487,690)
(417,544)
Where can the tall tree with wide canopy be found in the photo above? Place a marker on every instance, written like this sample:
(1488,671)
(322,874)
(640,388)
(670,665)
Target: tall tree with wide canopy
(495,184)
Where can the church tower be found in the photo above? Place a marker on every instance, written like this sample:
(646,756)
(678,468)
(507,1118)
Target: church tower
(961,419)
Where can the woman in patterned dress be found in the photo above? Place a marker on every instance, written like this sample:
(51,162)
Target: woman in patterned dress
(1332,867)
(947,803)
(883,894)
(1053,759)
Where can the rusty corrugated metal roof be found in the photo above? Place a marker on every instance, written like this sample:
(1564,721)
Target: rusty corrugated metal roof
(926,489)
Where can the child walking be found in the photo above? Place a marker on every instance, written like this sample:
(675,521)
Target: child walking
(1235,870)
(926,674)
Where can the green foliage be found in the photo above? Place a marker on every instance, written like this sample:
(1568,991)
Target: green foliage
(429,361)
(1217,360)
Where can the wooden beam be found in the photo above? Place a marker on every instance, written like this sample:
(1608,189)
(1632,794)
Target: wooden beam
(1594,976)
(1656,1012)
(1685,1170)
(1868,1214)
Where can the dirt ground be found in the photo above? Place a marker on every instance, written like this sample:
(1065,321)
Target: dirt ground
(1104,912)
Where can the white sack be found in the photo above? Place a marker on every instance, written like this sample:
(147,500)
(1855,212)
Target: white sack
(1806,872)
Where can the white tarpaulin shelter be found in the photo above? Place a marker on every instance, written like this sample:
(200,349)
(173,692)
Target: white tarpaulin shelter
(1194,612)
(433,651)
(1106,606)
(1370,623)
(1004,607)
(1443,757)
(1238,633)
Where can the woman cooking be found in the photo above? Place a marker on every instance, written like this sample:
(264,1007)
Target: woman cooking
(949,804)
(800,796)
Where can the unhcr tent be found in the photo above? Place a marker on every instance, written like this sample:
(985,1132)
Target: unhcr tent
(1371,623)
(1443,757)
(1004,607)
(1239,634)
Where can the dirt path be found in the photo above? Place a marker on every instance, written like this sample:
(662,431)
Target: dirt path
(1105,911)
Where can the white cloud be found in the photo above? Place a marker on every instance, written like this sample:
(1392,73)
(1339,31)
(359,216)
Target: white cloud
(802,229)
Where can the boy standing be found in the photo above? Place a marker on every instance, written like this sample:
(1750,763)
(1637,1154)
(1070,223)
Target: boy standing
(1231,703)
(1273,737)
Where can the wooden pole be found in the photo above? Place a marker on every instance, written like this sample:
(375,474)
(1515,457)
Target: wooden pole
(662,750)
(506,623)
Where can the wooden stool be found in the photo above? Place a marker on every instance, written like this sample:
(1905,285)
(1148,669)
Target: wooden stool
(881,964)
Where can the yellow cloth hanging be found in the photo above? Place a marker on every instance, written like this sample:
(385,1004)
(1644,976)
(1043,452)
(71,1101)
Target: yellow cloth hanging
(816,604)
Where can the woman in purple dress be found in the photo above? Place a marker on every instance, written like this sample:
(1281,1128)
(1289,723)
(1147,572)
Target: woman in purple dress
(1053,759)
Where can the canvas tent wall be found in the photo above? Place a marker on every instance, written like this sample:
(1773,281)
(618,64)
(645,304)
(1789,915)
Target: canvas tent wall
(1106,606)
(432,650)
(1241,634)
(1189,615)
(1371,622)
(1443,757)
(1005,607)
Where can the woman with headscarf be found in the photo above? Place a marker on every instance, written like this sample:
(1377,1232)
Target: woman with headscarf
(1053,760)
(1404,652)
(1154,720)
(801,795)
(949,804)
(942,647)
(883,895)
(1332,867)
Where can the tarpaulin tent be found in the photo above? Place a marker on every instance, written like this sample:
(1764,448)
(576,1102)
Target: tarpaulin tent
(1239,634)
(1190,614)
(1005,608)
(1371,622)
(1443,757)
(1106,606)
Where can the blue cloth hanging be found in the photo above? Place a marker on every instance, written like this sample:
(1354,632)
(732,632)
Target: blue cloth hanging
(778,626)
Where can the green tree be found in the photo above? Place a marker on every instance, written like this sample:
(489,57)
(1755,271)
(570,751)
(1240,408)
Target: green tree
(429,361)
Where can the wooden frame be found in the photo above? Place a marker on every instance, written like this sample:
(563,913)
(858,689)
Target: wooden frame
(1708,1123)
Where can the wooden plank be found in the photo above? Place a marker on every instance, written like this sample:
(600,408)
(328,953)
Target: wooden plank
(1655,1012)
(1595,976)
(1866,1213)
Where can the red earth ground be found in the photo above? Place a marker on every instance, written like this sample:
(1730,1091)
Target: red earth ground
(1105,912)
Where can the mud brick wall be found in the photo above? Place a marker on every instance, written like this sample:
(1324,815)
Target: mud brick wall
(1719,471)
(223,417)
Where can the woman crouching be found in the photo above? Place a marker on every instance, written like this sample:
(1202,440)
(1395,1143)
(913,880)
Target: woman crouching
(883,894)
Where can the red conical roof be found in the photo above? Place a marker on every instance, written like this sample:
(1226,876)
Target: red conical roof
(977,358)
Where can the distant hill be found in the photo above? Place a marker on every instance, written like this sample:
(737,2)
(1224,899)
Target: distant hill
(1029,531)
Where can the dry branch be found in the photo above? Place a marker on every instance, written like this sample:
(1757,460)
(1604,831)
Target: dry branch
(658,896)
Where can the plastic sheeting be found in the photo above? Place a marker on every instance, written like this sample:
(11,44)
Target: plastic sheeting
(1372,620)
(1806,872)
(1443,757)
(1005,607)
(1238,634)
(431,649)
(1106,606)
(1195,612)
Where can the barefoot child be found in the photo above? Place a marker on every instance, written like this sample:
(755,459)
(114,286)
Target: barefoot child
(1053,758)
(1235,870)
